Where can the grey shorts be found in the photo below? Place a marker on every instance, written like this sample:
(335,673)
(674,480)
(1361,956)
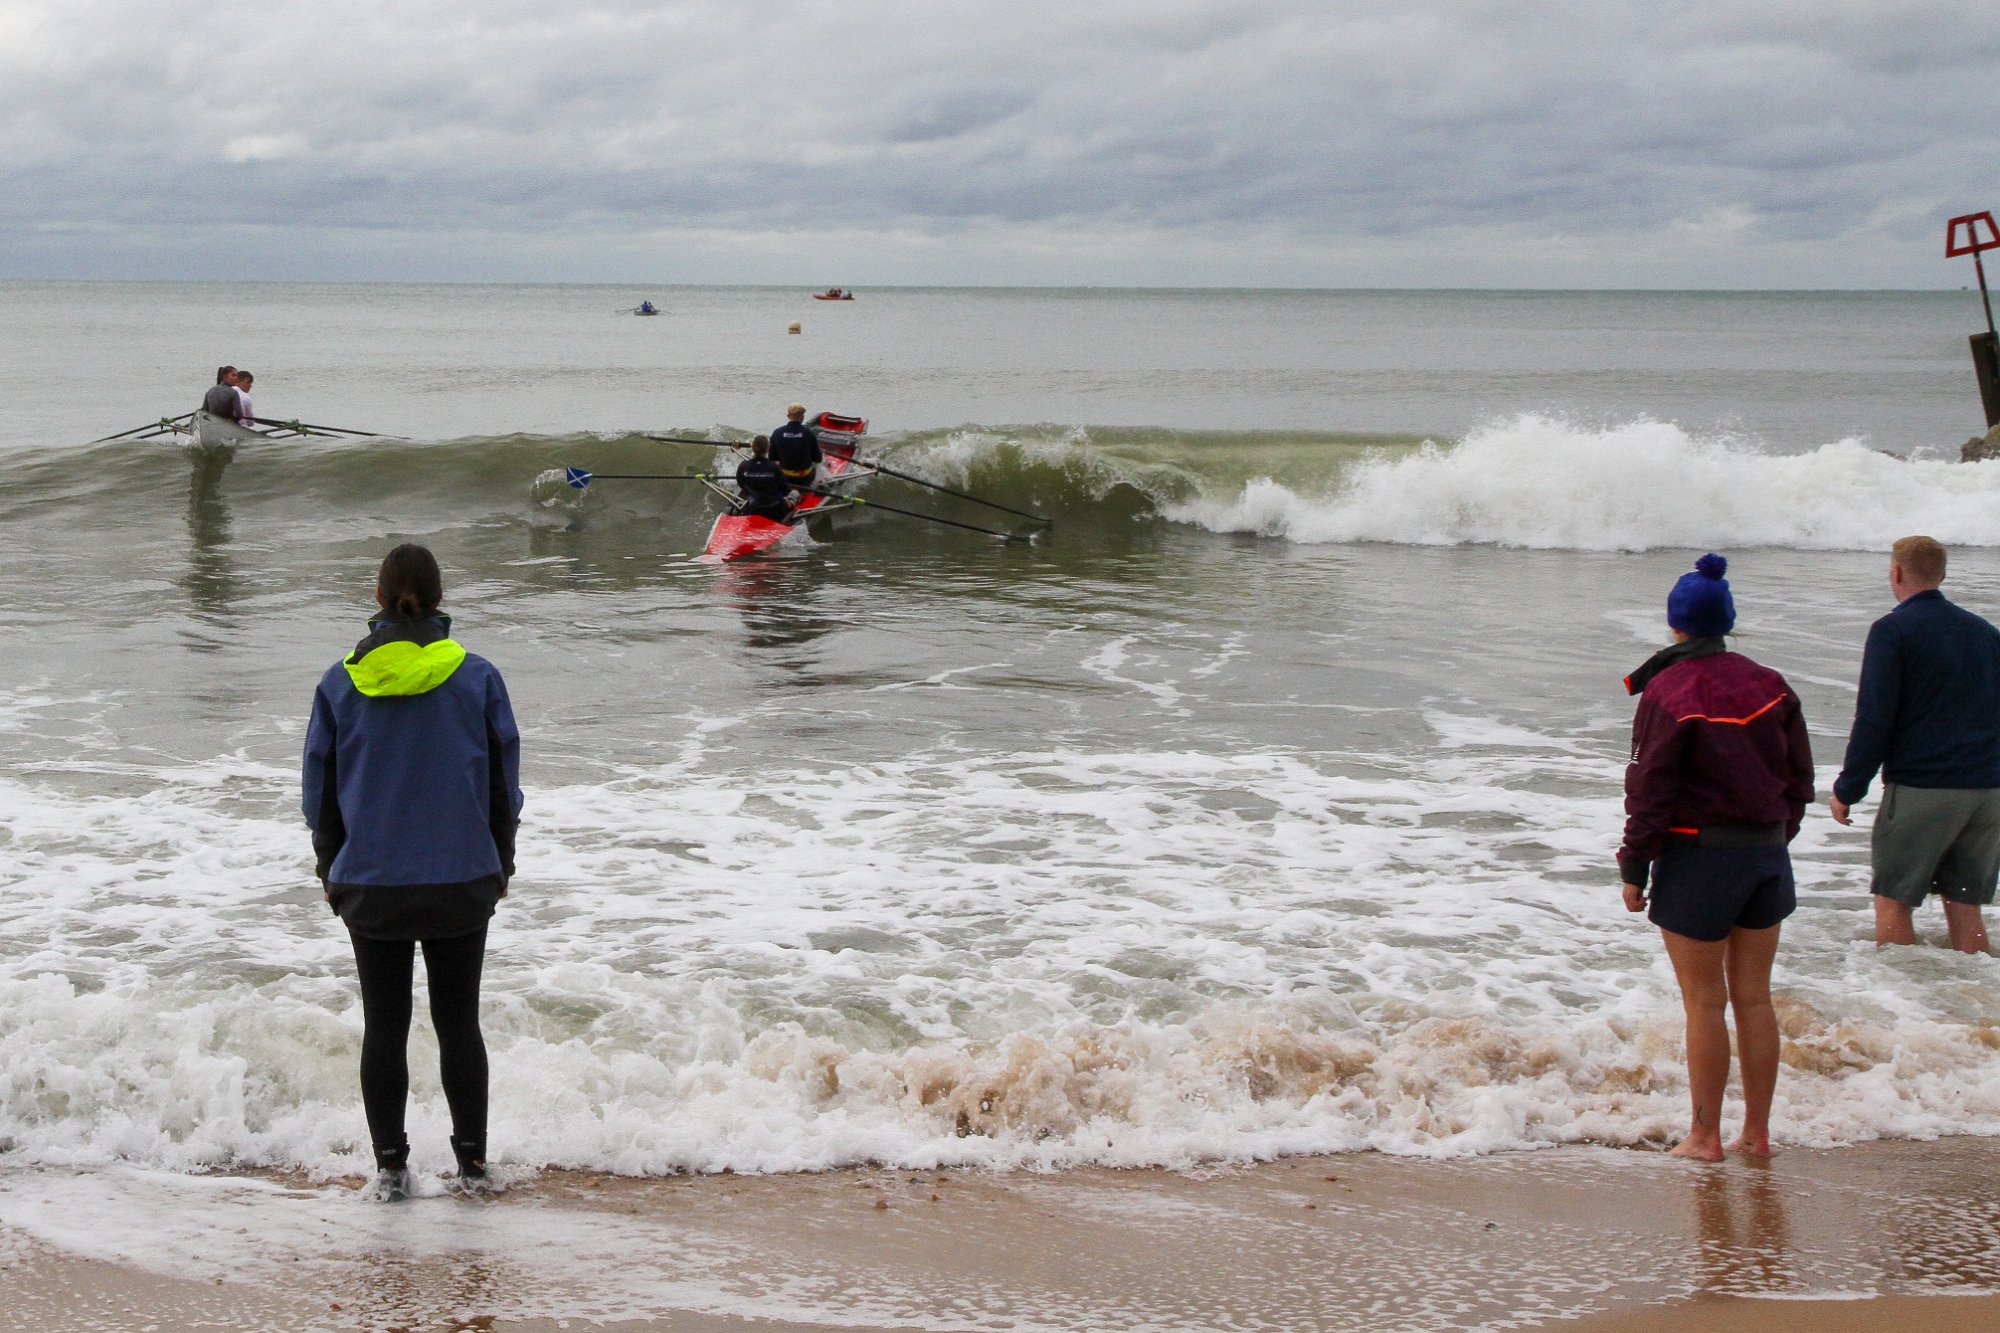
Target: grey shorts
(1936,839)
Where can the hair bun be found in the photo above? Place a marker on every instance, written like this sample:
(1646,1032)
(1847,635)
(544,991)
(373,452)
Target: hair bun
(1712,565)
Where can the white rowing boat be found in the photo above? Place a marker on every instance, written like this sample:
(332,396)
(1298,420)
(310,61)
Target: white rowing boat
(213,432)
(204,428)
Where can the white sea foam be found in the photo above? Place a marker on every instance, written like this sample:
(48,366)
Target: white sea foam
(1542,482)
(1031,959)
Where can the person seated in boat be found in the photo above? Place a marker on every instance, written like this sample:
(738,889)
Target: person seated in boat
(225,399)
(646,308)
(246,415)
(796,447)
(761,485)
(221,401)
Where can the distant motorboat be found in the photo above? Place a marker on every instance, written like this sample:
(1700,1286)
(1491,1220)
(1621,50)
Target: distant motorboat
(834,294)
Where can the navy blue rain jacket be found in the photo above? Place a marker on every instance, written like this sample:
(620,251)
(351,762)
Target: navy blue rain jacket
(1928,710)
(796,447)
(412,762)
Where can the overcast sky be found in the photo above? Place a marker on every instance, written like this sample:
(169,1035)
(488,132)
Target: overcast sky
(1613,143)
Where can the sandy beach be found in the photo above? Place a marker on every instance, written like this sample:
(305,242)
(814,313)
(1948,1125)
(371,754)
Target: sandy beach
(1892,1235)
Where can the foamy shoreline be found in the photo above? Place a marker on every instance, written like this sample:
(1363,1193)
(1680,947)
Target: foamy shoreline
(1615,1239)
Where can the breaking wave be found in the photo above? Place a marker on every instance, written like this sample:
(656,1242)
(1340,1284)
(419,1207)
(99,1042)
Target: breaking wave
(1544,483)
(1531,481)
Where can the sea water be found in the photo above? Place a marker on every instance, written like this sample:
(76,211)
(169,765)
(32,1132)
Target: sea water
(1263,804)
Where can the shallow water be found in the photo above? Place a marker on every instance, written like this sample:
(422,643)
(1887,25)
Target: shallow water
(1265,805)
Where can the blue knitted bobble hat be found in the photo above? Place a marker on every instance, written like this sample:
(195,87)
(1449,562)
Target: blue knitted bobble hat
(1700,604)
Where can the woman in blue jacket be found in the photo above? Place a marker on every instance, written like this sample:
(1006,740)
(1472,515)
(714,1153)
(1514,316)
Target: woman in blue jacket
(412,791)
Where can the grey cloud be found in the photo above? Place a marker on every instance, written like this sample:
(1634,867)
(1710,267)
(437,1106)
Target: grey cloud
(1326,124)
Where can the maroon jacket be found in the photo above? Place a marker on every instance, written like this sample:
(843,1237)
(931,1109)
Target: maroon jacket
(1717,740)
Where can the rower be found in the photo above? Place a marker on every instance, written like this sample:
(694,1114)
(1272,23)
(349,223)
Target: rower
(223,400)
(246,415)
(761,484)
(795,446)
(645,307)
(230,398)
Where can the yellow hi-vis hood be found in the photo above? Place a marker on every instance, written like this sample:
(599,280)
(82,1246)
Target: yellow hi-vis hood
(400,667)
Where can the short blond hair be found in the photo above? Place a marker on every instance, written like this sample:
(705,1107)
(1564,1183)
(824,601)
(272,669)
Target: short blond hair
(796,410)
(1920,558)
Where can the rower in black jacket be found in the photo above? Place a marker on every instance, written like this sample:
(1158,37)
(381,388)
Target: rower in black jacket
(762,485)
(796,447)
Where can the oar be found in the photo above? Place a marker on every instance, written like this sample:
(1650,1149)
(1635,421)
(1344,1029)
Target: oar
(911,513)
(306,427)
(164,423)
(578,478)
(688,439)
(873,467)
(904,476)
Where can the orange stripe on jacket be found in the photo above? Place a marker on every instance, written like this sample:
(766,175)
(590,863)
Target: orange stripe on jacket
(1733,721)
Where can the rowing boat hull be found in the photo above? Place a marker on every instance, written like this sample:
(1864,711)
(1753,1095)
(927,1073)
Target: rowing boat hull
(214,432)
(745,534)
(737,535)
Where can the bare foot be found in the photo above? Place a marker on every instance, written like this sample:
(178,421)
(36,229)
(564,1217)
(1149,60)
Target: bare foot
(1750,1145)
(1698,1150)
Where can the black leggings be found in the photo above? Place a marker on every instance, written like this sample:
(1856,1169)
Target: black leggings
(387,970)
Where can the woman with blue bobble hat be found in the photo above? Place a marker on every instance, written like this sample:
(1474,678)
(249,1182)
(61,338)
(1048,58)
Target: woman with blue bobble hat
(1720,777)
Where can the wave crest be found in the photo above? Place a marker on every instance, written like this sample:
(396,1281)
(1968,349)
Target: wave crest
(1540,482)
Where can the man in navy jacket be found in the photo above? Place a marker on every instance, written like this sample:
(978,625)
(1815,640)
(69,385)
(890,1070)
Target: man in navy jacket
(1928,717)
(796,447)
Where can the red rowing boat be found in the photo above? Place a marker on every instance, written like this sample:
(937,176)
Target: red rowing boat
(746,534)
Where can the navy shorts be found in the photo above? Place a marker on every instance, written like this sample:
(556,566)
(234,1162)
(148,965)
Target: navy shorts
(1705,892)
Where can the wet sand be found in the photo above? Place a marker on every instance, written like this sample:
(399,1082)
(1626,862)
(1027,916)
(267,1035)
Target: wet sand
(1897,1235)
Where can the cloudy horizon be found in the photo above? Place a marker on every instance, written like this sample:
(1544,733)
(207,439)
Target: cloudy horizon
(1277,143)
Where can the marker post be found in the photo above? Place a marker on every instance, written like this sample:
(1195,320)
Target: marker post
(1973,234)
